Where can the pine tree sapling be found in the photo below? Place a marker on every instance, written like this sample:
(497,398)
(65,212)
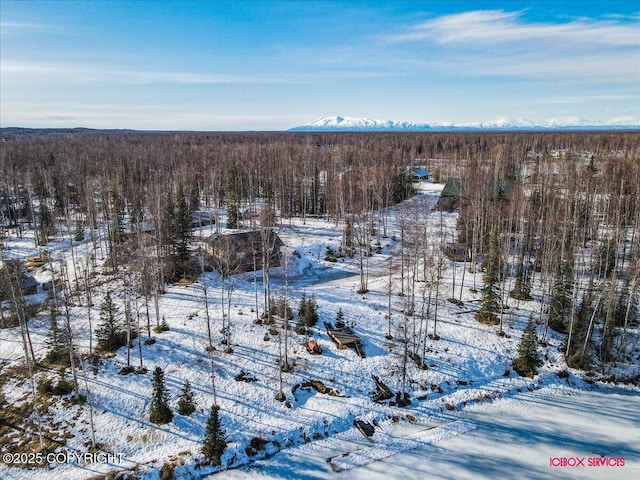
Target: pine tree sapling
(214,437)
(528,359)
(159,413)
(186,403)
(164,326)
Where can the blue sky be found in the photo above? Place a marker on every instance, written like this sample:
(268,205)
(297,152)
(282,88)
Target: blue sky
(260,65)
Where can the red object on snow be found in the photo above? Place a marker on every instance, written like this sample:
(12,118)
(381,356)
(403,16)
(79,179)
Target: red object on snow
(313,346)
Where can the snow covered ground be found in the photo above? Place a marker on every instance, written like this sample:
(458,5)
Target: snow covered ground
(466,414)
(520,437)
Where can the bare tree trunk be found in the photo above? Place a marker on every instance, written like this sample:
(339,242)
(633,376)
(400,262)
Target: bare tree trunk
(72,357)
(138,330)
(389,294)
(87,291)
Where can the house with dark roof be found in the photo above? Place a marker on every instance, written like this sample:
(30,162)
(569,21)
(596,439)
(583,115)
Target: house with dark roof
(239,252)
(454,190)
(450,196)
(202,219)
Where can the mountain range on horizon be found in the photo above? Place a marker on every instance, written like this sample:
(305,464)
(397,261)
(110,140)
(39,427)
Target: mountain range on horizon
(345,123)
(352,124)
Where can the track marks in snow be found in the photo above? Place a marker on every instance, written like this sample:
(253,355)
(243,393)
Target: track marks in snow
(391,446)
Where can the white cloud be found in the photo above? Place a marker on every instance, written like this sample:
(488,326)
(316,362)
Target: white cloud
(499,43)
(87,74)
(492,27)
(83,74)
(12,29)
(18,25)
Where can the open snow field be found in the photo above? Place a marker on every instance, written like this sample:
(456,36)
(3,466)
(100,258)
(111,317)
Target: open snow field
(520,437)
(467,418)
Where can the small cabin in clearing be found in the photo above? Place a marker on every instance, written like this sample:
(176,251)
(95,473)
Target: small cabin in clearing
(240,252)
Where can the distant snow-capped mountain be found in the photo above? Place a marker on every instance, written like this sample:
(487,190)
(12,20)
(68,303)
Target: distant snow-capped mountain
(351,123)
(339,123)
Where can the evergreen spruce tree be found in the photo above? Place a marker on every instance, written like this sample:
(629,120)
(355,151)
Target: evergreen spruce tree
(402,186)
(194,198)
(307,314)
(109,333)
(118,227)
(233,198)
(214,437)
(578,334)
(303,305)
(522,288)
(560,303)
(182,226)
(186,403)
(117,216)
(164,326)
(78,235)
(528,358)
(490,302)
(57,341)
(159,412)
(233,215)
(168,224)
(311,313)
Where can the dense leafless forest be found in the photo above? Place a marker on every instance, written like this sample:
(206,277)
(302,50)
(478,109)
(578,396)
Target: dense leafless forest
(535,204)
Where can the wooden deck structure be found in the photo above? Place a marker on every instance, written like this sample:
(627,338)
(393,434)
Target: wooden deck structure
(345,338)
